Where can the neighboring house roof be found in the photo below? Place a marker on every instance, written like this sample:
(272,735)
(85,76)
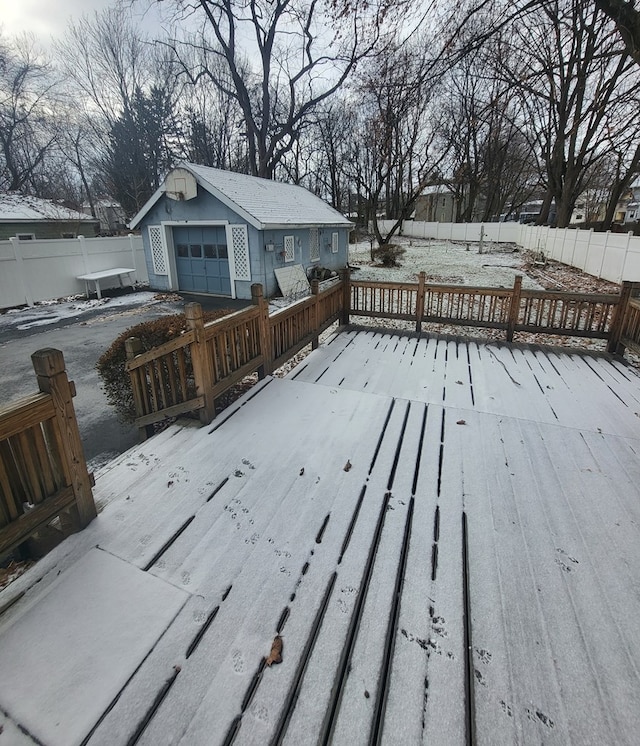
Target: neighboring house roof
(264,204)
(18,208)
(438,189)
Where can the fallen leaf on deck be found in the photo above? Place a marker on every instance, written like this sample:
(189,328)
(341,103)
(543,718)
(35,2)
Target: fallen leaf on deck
(302,471)
(169,483)
(347,466)
(461,422)
(275,656)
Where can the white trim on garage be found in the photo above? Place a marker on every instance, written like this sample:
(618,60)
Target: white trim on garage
(168,225)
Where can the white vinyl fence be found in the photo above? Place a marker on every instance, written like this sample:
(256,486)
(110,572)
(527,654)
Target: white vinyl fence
(32,271)
(611,256)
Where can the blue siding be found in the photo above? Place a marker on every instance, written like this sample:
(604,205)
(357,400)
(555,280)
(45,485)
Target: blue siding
(205,207)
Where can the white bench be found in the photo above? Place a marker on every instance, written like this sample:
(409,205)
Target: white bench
(102,275)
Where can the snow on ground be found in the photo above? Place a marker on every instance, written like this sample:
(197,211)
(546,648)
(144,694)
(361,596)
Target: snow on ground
(53,311)
(446,262)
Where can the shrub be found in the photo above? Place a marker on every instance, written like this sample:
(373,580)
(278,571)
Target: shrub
(111,364)
(388,254)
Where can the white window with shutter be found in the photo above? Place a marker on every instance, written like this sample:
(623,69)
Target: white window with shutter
(240,249)
(159,257)
(334,243)
(314,245)
(289,248)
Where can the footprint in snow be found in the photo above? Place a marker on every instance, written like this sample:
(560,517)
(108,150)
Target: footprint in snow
(238,661)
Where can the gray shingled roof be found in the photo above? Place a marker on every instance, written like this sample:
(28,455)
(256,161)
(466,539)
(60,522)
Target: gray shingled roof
(18,208)
(261,202)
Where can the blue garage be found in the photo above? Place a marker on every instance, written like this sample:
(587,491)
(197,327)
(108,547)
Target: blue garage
(217,232)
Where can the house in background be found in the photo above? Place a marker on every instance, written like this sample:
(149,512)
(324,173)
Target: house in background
(30,218)
(436,204)
(439,203)
(218,232)
(110,214)
(632,207)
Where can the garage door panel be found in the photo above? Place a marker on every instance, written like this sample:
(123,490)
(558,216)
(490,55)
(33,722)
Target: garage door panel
(202,259)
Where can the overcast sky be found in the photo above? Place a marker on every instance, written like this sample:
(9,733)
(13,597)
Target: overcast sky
(47,18)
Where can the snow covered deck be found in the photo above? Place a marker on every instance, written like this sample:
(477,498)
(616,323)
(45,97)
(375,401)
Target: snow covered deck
(444,534)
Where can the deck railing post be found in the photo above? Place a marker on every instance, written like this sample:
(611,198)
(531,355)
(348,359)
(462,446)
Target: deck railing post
(614,346)
(266,347)
(315,290)
(345,276)
(514,308)
(420,302)
(201,361)
(52,379)
(133,347)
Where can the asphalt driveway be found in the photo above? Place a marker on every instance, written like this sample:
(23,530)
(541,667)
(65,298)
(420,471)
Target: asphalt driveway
(83,331)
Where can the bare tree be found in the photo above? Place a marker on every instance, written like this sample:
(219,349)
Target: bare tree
(28,89)
(393,159)
(576,83)
(626,16)
(131,97)
(105,60)
(330,139)
(283,59)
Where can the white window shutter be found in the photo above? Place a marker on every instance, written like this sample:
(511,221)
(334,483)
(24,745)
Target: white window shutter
(159,258)
(240,249)
(314,245)
(289,248)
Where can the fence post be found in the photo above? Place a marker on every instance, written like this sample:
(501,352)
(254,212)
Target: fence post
(85,256)
(626,255)
(52,379)
(514,309)
(420,302)
(17,253)
(202,367)
(133,254)
(604,253)
(315,289)
(345,276)
(614,345)
(264,327)
(133,347)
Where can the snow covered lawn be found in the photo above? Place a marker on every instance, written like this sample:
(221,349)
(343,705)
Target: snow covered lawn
(445,262)
(334,512)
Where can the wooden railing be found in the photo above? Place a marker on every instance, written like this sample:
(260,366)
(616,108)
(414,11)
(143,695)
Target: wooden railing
(190,372)
(296,326)
(43,473)
(162,378)
(512,309)
(629,334)
(569,314)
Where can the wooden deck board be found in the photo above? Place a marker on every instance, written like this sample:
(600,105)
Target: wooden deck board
(361,570)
